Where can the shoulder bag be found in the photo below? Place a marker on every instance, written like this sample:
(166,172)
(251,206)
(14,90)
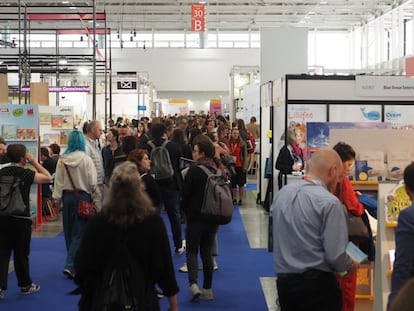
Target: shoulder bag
(357,230)
(85,209)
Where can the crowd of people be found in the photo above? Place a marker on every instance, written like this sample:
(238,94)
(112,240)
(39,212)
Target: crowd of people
(114,171)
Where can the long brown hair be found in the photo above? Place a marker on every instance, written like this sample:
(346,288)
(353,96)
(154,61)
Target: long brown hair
(128,203)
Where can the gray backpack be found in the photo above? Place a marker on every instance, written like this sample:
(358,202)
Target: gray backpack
(217,206)
(161,167)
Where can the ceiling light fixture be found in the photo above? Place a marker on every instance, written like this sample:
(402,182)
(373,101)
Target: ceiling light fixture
(83,71)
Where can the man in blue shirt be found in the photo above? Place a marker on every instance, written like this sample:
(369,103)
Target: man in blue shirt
(404,240)
(310,238)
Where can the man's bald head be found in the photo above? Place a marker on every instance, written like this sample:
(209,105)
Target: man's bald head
(326,165)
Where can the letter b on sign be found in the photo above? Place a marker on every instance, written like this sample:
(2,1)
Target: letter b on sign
(198,17)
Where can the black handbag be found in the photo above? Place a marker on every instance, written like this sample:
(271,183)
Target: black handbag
(357,230)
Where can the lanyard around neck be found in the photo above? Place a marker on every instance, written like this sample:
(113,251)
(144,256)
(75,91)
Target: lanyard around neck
(311,180)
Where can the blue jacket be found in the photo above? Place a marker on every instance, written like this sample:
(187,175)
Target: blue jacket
(404,252)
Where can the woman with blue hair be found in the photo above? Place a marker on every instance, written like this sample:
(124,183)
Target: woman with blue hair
(79,165)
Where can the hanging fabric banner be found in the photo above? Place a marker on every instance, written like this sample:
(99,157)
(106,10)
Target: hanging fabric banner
(198,22)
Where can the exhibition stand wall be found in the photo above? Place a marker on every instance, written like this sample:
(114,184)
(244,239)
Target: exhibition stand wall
(375,115)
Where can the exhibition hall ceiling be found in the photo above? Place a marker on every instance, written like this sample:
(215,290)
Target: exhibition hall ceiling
(225,15)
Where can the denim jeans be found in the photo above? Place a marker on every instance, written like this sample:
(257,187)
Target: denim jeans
(73,225)
(171,199)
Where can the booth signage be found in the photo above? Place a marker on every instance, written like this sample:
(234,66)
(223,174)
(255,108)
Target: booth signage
(198,13)
(384,86)
(126,85)
(142,108)
(63,89)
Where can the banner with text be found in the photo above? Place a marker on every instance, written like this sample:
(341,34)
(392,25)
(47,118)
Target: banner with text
(198,21)
(384,86)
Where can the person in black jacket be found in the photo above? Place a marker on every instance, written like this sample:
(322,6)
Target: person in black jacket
(290,158)
(170,187)
(127,217)
(199,234)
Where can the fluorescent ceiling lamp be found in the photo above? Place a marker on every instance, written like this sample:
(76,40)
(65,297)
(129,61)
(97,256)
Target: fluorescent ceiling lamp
(63,61)
(83,71)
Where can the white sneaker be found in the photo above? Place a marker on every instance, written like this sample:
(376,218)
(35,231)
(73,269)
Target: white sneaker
(180,251)
(184,268)
(215,266)
(31,289)
(194,291)
(206,294)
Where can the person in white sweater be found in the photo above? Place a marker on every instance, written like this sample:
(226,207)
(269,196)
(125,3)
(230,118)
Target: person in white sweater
(83,173)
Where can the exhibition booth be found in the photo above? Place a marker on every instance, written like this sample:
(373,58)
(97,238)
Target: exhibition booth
(373,114)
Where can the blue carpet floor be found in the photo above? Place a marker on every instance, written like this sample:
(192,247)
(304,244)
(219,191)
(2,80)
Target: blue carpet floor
(236,284)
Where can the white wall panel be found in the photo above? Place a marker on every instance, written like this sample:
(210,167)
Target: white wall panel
(185,69)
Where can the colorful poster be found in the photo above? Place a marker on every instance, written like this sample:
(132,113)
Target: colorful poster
(396,201)
(60,117)
(215,106)
(317,135)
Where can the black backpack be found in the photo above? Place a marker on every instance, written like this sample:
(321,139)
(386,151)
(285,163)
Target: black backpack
(123,283)
(11,201)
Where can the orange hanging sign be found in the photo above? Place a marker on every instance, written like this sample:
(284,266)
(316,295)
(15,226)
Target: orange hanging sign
(198,14)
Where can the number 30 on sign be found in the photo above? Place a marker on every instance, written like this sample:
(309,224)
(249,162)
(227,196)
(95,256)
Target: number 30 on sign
(198,12)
